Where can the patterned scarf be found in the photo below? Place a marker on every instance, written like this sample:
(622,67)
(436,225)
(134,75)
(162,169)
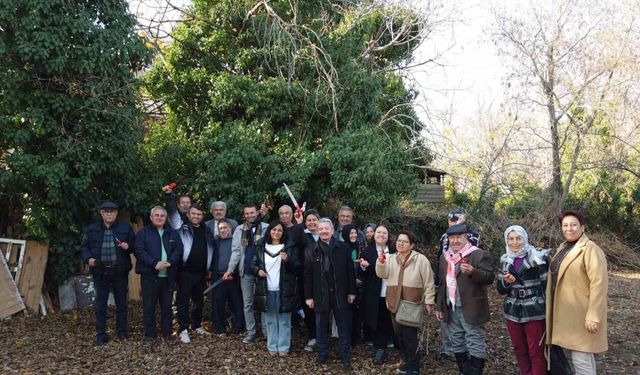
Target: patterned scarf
(247,231)
(537,256)
(453,267)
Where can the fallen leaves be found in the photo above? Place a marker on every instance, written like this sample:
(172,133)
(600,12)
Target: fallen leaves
(63,343)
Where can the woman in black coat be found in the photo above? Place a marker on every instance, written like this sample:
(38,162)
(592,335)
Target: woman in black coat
(307,235)
(275,266)
(374,305)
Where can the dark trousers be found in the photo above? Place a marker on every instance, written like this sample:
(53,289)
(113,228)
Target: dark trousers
(384,328)
(229,292)
(408,342)
(119,285)
(356,329)
(343,321)
(190,287)
(309,314)
(156,289)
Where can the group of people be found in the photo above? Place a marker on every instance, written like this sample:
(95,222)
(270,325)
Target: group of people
(303,268)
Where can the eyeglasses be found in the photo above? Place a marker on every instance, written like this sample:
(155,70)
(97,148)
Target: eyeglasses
(403,241)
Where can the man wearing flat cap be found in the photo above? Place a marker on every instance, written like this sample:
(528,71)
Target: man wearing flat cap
(454,217)
(462,302)
(106,248)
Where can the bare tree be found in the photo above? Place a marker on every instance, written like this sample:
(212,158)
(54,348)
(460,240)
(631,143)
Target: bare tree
(564,64)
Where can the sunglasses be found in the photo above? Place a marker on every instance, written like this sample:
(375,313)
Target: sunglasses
(453,216)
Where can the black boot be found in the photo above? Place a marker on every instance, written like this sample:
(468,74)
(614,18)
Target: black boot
(463,362)
(477,366)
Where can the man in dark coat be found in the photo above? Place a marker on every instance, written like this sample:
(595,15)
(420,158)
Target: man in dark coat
(330,286)
(198,246)
(158,253)
(106,248)
(462,301)
(454,217)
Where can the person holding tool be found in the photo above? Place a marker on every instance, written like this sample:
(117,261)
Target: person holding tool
(106,248)
(198,249)
(274,264)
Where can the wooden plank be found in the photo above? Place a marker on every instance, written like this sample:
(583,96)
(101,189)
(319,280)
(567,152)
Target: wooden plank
(134,283)
(10,301)
(32,274)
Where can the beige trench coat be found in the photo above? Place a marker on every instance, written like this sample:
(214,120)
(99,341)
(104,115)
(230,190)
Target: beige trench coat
(580,294)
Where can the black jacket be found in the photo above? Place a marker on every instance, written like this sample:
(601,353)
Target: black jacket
(315,283)
(148,251)
(288,284)
(371,287)
(92,245)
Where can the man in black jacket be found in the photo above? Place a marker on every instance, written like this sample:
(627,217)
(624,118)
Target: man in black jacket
(159,253)
(198,248)
(330,286)
(106,248)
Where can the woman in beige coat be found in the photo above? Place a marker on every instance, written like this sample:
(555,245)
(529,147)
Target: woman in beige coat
(577,295)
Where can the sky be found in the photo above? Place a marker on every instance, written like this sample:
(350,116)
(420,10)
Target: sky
(467,73)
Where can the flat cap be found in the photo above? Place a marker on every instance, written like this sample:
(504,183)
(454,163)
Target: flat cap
(108,206)
(457,229)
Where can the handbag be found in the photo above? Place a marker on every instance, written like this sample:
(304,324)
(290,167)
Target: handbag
(557,363)
(409,313)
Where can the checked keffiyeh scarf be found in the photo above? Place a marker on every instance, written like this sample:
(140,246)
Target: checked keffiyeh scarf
(453,267)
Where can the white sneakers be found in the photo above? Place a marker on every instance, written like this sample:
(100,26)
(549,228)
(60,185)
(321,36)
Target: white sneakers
(184,337)
(311,346)
(201,331)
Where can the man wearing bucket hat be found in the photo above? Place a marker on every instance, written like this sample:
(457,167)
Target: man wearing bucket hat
(106,248)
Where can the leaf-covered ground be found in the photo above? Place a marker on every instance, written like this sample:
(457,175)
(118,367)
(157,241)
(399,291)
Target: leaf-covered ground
(62,343)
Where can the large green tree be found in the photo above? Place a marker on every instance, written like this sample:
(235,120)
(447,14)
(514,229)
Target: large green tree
(307,93)
(69,119)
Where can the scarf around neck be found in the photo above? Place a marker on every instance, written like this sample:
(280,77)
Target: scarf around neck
(247,233)
(537,256)
(453,267)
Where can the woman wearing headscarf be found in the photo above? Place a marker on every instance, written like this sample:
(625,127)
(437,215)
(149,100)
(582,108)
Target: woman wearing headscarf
(523,280)
(374,291)
(369,231)
(274,264)
(577,295)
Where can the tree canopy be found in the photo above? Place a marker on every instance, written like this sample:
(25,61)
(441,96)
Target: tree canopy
(263,93)
(69,118)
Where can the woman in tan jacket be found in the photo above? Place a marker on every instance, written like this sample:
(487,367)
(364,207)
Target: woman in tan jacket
(577,295)
(415,286)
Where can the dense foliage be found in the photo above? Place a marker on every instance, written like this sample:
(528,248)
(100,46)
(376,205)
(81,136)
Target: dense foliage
(69,118)
(262,96)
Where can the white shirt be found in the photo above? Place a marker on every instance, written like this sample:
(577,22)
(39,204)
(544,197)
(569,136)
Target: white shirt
(272,264)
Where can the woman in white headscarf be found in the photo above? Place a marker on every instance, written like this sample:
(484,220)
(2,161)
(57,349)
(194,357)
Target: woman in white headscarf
(523,280)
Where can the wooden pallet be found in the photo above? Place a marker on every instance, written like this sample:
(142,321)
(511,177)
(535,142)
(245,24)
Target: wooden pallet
(10,301)
(32,275)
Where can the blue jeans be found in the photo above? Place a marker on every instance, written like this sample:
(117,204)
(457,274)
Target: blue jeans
(278,325)
(343,321)
(119,284)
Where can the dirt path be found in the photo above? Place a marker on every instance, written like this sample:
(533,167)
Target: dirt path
(63,344)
